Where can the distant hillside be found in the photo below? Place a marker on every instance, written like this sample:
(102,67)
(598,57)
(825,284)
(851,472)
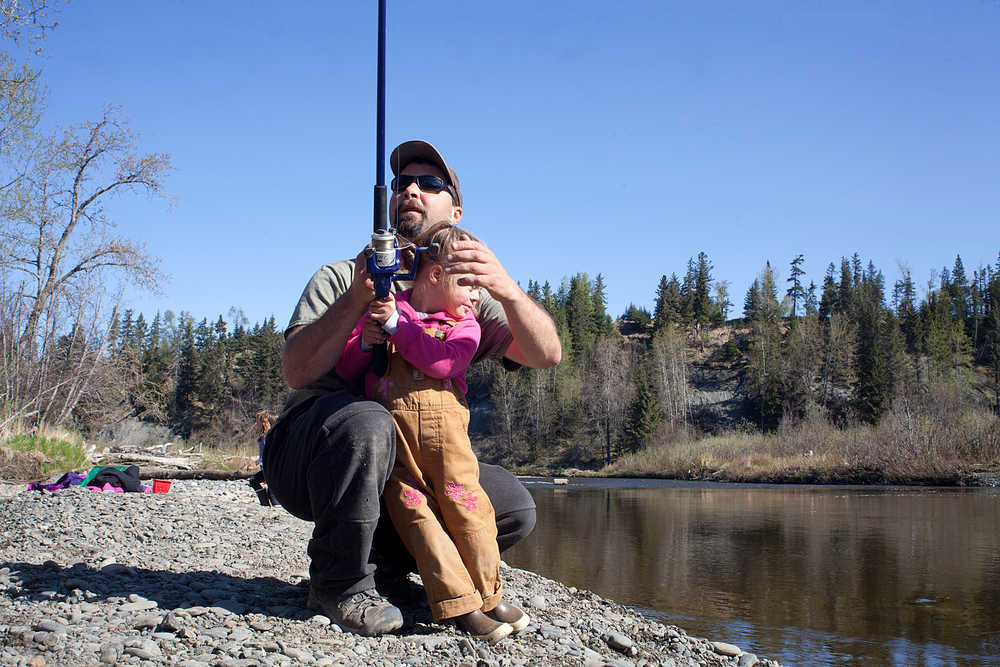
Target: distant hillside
(716,370)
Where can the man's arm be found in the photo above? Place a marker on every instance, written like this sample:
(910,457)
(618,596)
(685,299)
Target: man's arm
(536,341)
(313,350)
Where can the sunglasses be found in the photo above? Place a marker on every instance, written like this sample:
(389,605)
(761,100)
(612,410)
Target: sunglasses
(426,183)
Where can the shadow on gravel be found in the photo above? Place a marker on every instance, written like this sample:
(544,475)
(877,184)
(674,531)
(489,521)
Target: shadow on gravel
(170,590)
(267,596)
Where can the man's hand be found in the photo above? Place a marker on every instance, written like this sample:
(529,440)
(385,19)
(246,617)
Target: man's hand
(476,265)
(380,310)
(536,342)
(362,288)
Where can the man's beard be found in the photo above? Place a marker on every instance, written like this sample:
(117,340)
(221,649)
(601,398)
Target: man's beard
(411,224)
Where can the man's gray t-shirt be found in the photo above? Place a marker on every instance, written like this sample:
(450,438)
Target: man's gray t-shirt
(333,280)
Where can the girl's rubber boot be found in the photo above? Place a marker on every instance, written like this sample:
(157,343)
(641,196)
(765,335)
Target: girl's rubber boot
(505,612)
(480,626)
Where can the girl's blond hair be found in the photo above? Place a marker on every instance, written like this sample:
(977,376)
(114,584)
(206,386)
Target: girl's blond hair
(439,240)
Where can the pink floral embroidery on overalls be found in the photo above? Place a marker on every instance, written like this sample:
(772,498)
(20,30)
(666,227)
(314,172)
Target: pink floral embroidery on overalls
(458,493)
(413,497)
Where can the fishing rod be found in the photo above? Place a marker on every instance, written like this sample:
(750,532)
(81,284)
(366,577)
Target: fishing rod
(382,257)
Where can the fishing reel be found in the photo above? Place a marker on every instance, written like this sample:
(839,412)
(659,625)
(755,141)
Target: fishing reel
(382,261)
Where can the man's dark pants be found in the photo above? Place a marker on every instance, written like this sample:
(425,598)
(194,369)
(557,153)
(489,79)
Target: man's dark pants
(327,462)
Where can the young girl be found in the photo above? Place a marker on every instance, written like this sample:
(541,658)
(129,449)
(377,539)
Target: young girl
(265,420)
(433,494)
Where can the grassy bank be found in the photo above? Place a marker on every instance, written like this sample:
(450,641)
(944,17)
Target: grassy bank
(35,456)
(40,454)
(936,443)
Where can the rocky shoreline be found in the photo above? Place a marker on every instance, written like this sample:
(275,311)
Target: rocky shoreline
(204,575)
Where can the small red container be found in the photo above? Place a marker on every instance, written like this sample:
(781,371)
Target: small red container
(161,485)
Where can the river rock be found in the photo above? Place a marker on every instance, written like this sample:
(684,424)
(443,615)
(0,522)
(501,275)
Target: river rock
(49,625)
(619,642)
(722,648)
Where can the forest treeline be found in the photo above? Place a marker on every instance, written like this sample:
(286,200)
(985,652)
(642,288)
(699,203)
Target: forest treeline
(847,349)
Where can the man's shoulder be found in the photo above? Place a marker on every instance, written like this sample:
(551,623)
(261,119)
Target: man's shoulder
(327,284)
(343,268)
(332,279)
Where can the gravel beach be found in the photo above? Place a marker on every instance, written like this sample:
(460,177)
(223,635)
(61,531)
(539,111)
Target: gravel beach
(204,575)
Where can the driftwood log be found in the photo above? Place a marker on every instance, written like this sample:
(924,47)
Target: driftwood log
(171,473)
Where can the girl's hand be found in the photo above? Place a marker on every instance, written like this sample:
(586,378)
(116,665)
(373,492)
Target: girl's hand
(381,310)
(373,334)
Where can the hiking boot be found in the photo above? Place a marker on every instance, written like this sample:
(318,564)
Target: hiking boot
(366,613)
(508,613)
(481,626)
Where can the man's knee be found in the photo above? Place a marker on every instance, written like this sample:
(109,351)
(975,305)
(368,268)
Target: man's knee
(514,527)
(362,423)
(515,509)
(362,436)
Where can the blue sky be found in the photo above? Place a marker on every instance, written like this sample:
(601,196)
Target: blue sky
(589,136)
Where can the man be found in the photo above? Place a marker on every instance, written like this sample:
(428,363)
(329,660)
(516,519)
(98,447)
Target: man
(329,454)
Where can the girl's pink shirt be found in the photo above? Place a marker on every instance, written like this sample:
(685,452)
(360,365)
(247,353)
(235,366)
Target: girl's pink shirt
(441,359)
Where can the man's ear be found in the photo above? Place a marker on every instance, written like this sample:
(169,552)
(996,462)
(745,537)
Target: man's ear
(456,214)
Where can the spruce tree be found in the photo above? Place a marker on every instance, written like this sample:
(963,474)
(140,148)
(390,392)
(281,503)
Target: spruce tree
(185,392)
(667,309)
(766,370)
(828,300)
(904,304)
(812,304)
(993,340)
(751,302)
(602,322)
(126,330)
(580,315)
(845,288)
(643,414)
(638,315)
(796,291)
(687,293)
(701,301)
(139,334)
(874,376)
(959,291)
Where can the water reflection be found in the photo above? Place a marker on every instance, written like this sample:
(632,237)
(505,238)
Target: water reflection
(807,575)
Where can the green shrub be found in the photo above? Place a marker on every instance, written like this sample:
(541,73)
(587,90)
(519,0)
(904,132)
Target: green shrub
(60,455)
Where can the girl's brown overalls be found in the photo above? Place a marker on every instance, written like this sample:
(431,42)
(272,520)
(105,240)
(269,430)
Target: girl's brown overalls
(433,494)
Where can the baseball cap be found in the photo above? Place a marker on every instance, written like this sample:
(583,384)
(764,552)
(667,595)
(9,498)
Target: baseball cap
(421,151)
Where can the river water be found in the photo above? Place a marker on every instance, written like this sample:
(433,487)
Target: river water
(808,575)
